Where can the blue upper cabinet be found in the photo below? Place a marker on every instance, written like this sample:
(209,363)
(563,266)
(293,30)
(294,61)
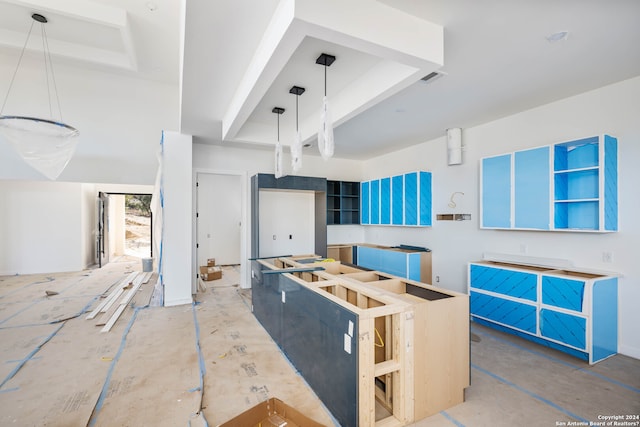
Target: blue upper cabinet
(398,200)
(385,201)
(532,189)
(364,203)
(496,192)
(570,186)
(425,199)
(375,201)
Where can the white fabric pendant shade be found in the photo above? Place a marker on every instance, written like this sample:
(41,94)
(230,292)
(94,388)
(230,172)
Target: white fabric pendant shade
(296,153)
(278,161)
(45,145)
(325,133)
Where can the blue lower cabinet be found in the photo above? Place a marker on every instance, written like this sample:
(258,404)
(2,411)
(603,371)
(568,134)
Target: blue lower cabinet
(566,328)
(402,263)
(571,311)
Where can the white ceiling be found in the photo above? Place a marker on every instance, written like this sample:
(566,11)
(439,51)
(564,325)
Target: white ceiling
(497,61)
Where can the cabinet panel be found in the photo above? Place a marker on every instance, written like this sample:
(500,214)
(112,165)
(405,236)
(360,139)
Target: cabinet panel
(513,283)
(425,198)
(364,203)
(610,183)
(563,327)
(375,202)
(397,200)
(561,292)
(385,201)
(496,191)
(411,199)
(605,318)
(532,188)
(511,313)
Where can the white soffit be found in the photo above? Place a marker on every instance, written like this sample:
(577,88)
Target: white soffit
(393,50)
(106,31)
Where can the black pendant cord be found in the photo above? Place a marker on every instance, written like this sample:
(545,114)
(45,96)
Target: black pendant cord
(325,80)
(17,67)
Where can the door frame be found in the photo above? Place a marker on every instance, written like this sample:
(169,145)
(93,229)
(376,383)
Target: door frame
(244,228)
(103,225)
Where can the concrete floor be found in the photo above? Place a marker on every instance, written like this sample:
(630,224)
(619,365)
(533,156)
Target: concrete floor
(212,360)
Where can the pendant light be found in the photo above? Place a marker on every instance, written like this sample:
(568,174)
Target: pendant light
(325,133)
(296,146)
(278,154)
(45,144)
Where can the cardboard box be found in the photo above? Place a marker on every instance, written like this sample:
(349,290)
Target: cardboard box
(271,413)
(211,262)
(210,273)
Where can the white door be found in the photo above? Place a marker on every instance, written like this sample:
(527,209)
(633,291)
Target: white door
(219,221)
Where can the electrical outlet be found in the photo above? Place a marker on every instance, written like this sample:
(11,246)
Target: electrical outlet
(607,256)
(437,279)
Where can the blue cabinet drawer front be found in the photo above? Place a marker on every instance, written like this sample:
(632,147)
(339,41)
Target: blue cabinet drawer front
(563,327)
(517,315)
(561,292)
(507,282)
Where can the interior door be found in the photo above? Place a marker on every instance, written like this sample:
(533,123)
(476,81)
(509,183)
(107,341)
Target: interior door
(102,241)
(219,218)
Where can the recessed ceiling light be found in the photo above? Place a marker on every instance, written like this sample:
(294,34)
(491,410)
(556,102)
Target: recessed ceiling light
(152,6)
(559,36)
(307,145)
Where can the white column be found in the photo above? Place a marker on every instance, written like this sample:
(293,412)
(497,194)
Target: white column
(177,240)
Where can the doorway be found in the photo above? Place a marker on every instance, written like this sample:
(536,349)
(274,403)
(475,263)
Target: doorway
(218,218)
(124,226)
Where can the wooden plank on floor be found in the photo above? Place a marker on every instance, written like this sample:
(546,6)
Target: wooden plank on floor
(123,304)
(102,307)
(107,312)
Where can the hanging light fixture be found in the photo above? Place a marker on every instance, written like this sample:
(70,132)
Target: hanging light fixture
(296,146)
(45,144)
(278,155)
(325,133)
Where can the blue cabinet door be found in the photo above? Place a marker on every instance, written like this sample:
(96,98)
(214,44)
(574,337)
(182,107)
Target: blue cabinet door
(562,292)
(375,201)
(397,200)
(517,284)
(532,188)
(425,198)
(385,201)
(496,191)
(411,199)
(364,202)
(611,183)
(509,313)
(566,328)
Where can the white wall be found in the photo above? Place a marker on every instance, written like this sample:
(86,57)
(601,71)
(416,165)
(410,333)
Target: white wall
(40,227)
(178,218)
(120,119)
(613,109)
(88,225)
(287,221)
